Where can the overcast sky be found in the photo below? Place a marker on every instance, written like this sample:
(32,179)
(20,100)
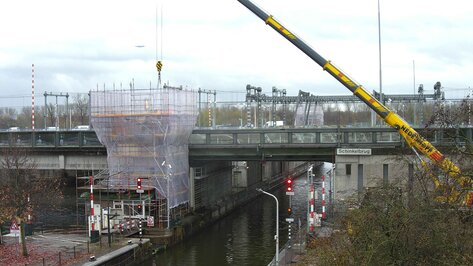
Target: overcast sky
(220,45)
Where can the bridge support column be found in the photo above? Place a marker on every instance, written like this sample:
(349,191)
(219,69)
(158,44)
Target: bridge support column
(61,161)
(360,184)
(192,188)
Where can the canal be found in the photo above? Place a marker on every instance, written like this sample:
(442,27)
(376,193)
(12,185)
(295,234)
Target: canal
(246,236)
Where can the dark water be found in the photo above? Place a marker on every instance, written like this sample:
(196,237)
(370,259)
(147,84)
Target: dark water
(62,213)
(245,237)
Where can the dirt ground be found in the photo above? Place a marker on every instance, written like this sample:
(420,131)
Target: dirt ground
(53,248)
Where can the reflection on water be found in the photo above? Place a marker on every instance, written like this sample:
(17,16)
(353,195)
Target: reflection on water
(62,213)
(245,237)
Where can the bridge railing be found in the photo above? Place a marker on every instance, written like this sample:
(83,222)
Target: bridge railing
(324,136)
(235,136)
(49,139)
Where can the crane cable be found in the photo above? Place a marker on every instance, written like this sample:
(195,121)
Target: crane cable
(159,63)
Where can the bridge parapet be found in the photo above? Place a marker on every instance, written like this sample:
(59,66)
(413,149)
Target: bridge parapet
(232,142)
(341,136)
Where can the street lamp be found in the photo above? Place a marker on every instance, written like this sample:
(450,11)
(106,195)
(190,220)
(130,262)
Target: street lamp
(109,237)
(167,191)
(276,237)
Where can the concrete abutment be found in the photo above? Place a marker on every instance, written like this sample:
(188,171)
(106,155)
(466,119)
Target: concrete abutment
(354,173)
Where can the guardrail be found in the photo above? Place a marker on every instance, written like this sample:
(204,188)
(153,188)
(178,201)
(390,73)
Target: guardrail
(322,136)
(244,137)
(49,139)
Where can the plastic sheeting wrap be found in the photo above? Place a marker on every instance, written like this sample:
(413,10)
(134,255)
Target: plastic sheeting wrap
(309,114)
(146,134)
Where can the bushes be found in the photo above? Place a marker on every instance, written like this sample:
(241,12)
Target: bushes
(385,230)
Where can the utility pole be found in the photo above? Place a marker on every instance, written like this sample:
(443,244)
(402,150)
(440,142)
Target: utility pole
(46,94)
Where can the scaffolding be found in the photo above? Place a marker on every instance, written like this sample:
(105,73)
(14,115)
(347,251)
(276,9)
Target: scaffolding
(146,134)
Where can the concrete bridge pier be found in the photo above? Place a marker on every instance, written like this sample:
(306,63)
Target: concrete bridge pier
(354,173)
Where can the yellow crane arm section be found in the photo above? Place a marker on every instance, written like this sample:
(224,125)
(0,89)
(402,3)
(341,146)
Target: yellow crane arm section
(413,138)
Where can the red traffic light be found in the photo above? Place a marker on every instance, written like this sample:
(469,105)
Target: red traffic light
(139,206)
(138,183)
(289,184)
(289,210)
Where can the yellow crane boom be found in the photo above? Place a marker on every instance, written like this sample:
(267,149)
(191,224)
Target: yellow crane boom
(414,139)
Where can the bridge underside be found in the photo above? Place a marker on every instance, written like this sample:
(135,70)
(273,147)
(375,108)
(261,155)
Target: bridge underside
(270,152)
(262,152)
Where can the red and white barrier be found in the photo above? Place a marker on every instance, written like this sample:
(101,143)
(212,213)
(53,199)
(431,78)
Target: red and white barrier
(32,97)
(323,198)
(92,213)
(312,209)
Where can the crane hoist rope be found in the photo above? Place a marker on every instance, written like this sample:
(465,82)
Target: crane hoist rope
(159,61)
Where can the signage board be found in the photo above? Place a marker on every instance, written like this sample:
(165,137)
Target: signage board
(353,151)
(150,221)
(14,228)
(318,220)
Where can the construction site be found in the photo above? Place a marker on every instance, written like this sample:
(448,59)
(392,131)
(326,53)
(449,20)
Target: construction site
(145,133)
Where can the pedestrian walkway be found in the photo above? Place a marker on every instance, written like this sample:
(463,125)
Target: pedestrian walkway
(291,253)
(56,247)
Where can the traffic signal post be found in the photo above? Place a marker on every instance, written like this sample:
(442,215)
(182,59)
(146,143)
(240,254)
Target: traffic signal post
(290,192)
(289,188)
(310,202)
(139,187)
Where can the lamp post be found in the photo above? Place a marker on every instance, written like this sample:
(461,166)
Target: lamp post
(108,214)
(276,237)
(168,176)
(379,48)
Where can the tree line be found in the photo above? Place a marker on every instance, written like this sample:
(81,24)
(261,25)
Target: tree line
(51,115)
(351,114)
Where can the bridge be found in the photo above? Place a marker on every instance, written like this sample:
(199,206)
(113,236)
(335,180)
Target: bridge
(243,144)
(212,177)
(305,144)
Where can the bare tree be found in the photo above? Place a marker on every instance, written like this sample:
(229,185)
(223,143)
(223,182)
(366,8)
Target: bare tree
(51,114)
(24,118)
(22,189)
(81,109)
(7,117)
(404,224)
